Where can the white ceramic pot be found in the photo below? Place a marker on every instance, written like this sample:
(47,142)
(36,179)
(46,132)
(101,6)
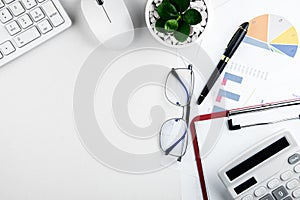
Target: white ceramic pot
(198,31)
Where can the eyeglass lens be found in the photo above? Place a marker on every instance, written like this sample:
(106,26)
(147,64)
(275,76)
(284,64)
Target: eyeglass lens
(179,86)
(173,137)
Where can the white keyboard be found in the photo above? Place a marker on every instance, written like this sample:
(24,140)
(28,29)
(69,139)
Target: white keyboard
(24,24)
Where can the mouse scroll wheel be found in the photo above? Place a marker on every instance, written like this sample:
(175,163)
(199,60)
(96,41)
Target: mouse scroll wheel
(100,2)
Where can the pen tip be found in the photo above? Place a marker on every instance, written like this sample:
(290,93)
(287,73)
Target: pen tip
(200,99)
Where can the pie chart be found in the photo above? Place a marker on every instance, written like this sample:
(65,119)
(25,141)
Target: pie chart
(273,33)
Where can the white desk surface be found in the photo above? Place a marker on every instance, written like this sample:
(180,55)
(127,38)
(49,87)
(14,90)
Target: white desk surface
(41,155)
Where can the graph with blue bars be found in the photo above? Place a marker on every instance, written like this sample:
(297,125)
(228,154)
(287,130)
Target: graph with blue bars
(225,94)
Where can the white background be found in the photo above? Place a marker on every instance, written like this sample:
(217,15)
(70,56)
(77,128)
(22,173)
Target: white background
(41,156)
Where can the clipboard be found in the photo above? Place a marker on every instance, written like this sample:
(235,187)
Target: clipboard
(239,129)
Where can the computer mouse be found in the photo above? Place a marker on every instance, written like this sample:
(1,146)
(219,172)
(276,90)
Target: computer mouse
(110,22)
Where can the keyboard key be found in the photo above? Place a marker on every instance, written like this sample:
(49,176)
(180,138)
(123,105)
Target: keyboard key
(25,25)
(1,4)
(273,183)
(294,159)
(280,193)
(296,193)
(44,26)
(27,36)
(292,184)
(17,8)
(29,3)
(260,191)
(248,197)
(37,14)
(8,1)
(25,21)
(288,198)
(297,168)
(5,15)
(286,175)
(267,197)
(13,28)
(52,13)
(7,48)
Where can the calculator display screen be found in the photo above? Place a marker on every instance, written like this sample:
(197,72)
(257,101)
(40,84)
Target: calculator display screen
(244,186)
(257,158)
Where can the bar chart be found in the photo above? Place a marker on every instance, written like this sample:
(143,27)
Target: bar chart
(238,83)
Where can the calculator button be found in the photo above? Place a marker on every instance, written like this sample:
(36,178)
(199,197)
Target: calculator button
(297,168)
(286,175)
(260,191)
(292,184)
(248,197)
(7,48)
(273,183)
(296,193)
(280,193)
(1,56)
(294,159)
(288,198)
(267,197)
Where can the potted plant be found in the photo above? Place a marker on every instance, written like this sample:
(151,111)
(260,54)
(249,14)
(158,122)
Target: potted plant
(176,22)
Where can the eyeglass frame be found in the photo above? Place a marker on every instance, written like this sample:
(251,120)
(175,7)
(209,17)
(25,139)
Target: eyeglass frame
(187,113)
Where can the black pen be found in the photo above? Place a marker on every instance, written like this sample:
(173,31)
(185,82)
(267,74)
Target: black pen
(231,48)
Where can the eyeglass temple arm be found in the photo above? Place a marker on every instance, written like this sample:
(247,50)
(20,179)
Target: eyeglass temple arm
(168,150)
(187,117)
(175,74)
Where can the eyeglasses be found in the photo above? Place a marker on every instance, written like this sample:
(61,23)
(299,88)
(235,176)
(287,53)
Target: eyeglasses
(179,86)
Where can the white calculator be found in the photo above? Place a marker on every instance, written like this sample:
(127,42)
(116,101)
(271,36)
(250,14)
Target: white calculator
(268,171)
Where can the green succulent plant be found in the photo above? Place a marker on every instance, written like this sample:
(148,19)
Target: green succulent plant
(176,17)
